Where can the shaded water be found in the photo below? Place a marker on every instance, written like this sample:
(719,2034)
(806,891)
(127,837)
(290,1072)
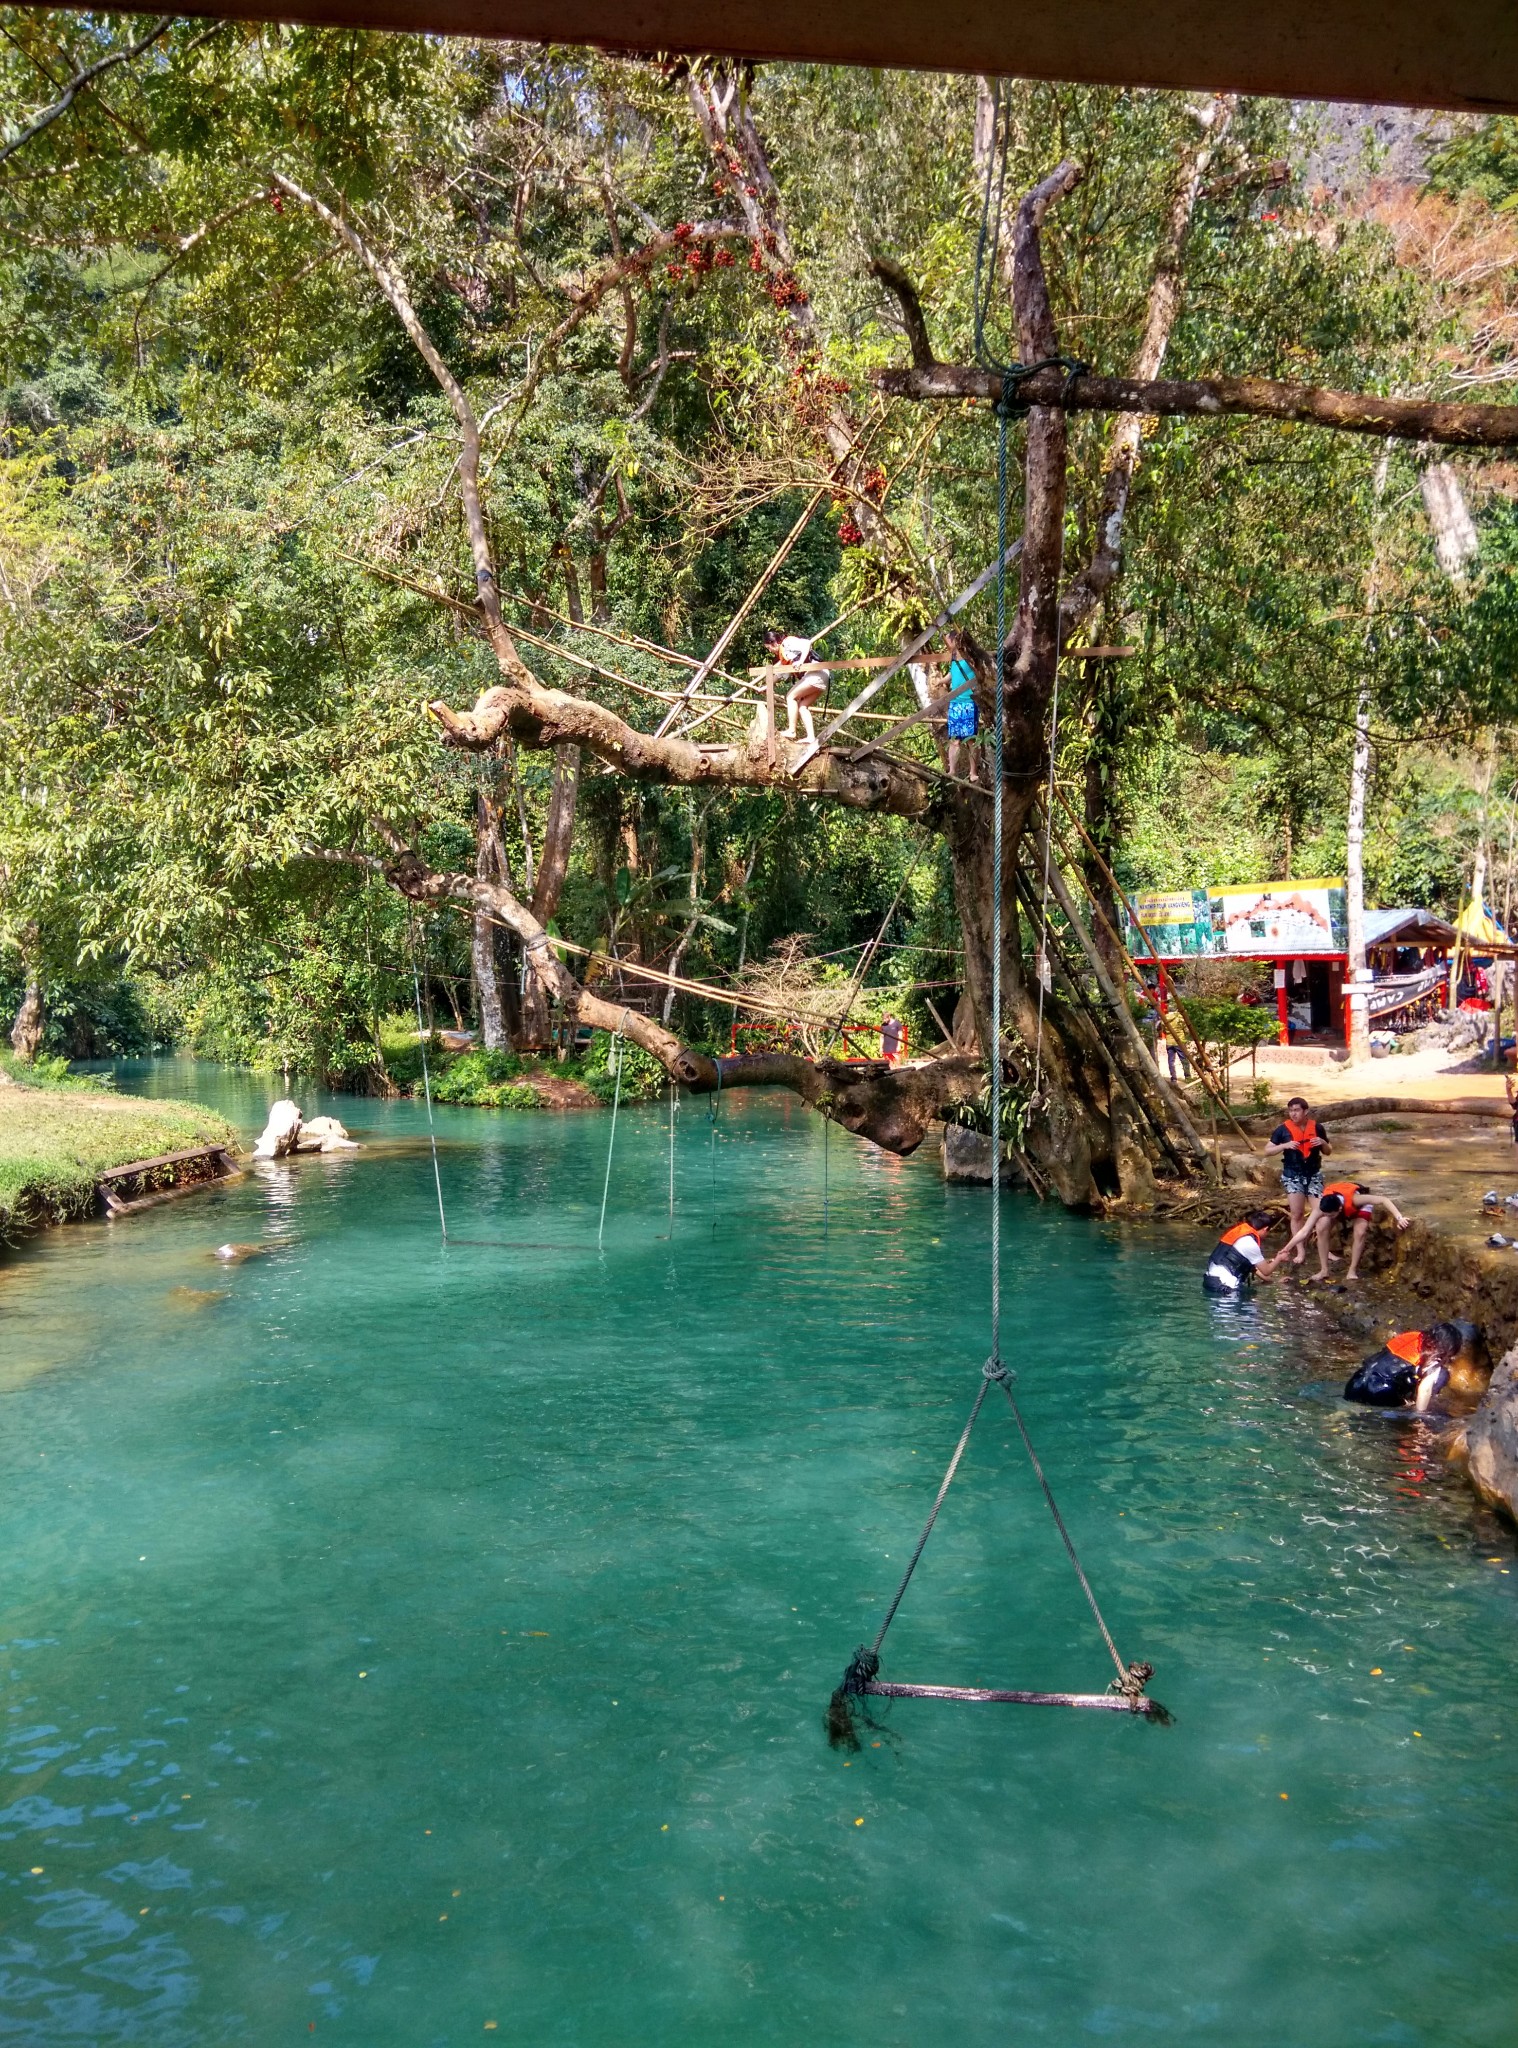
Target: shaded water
(402,1640)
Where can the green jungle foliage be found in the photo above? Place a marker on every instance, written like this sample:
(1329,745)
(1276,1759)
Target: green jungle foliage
(230,526)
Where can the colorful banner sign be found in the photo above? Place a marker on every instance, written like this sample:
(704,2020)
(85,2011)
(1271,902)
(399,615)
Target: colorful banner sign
(1177,924)
(1294,919)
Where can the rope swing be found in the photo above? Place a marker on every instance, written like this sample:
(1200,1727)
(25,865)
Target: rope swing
(861,1681)
(422,1035)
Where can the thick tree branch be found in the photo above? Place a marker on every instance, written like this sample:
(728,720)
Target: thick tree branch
(540,718)
(1102,571)
(892,1106)
(897,282)
(1034,645)
(393,286)
(1404,419)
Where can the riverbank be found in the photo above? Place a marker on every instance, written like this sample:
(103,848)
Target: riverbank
(58,1137)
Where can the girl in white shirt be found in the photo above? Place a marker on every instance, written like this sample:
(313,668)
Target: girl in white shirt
(791,651)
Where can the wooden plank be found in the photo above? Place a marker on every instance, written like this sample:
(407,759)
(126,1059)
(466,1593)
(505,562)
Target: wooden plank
(139,1166)
(1103,1702)
(116,1207)
(1393,53)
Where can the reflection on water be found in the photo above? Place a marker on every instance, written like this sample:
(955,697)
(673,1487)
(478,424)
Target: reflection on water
(402,1638)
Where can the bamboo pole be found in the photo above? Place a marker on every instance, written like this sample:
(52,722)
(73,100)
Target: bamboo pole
(729,632)
(1204,1064)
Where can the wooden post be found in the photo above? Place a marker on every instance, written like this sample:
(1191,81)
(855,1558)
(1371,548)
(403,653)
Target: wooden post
(769,716)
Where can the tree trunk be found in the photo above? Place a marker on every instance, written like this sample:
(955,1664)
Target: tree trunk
(1357,993)
(483,950)
(31,1020)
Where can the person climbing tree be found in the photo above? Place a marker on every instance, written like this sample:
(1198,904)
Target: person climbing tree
(792,653)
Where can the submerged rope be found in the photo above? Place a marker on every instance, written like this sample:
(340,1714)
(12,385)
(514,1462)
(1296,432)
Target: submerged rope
(673,1100)
(616,1099)
(712,1114)
(421,1028)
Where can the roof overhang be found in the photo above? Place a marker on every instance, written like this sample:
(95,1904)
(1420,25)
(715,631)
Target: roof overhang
(1459,54)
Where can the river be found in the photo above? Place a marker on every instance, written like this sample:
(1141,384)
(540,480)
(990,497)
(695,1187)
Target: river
(409,1643)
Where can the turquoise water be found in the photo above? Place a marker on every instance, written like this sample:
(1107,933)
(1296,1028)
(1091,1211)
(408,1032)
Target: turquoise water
(401,1640)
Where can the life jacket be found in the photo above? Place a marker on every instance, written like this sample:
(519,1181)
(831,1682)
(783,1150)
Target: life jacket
(1408,1345)
(1347,1190)
(1307,1137)
(1227,1257)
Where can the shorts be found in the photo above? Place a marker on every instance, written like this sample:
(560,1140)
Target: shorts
(1301,1183)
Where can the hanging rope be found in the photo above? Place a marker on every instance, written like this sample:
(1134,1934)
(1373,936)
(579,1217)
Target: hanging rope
(422,1035)
(674,1096)
(861,1681)
(1043,930)
(827,1124)
(712,1114)
(611,1143)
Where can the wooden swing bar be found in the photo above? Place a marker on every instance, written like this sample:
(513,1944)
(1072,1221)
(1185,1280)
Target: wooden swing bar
(1107,1702)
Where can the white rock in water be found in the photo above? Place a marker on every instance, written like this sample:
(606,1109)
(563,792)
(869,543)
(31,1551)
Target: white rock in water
(324,1134)
(281,1133)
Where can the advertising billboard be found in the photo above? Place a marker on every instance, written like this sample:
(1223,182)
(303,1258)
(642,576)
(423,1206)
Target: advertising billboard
(1280,917)
(1177,924)
(1296,919)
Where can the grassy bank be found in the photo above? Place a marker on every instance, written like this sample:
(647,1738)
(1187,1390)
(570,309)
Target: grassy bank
(57,1134)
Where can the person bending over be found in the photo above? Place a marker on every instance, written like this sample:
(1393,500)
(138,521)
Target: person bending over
(1357,1206)
(1408,1370)
(1301,1142)
(790,651)
(1238,1258)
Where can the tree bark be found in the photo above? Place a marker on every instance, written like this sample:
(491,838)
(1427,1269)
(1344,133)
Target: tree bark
(493,1034)
(541,718)
(1102,571)
(1449,424)
(1354,880)
(31,1020)
(893,1106)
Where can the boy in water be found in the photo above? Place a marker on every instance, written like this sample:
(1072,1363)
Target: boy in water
(1408,1370)
(1301,1141)
(1357,1205)
(1238,1258)
(790,651)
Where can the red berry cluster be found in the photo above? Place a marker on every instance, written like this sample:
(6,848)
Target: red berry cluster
(873,482)
(849,534)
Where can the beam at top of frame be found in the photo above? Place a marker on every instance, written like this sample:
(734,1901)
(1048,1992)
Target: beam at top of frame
(1460,54)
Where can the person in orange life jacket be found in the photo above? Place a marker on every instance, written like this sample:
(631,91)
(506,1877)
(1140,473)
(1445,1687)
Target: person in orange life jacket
(1357,1206)
(1238,1258)
(1301,1141)
(791,651)
(1408,1370)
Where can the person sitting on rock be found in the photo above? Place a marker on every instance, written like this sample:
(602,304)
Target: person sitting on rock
(1355,1203)
(1238,1258)
(1408,1370)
